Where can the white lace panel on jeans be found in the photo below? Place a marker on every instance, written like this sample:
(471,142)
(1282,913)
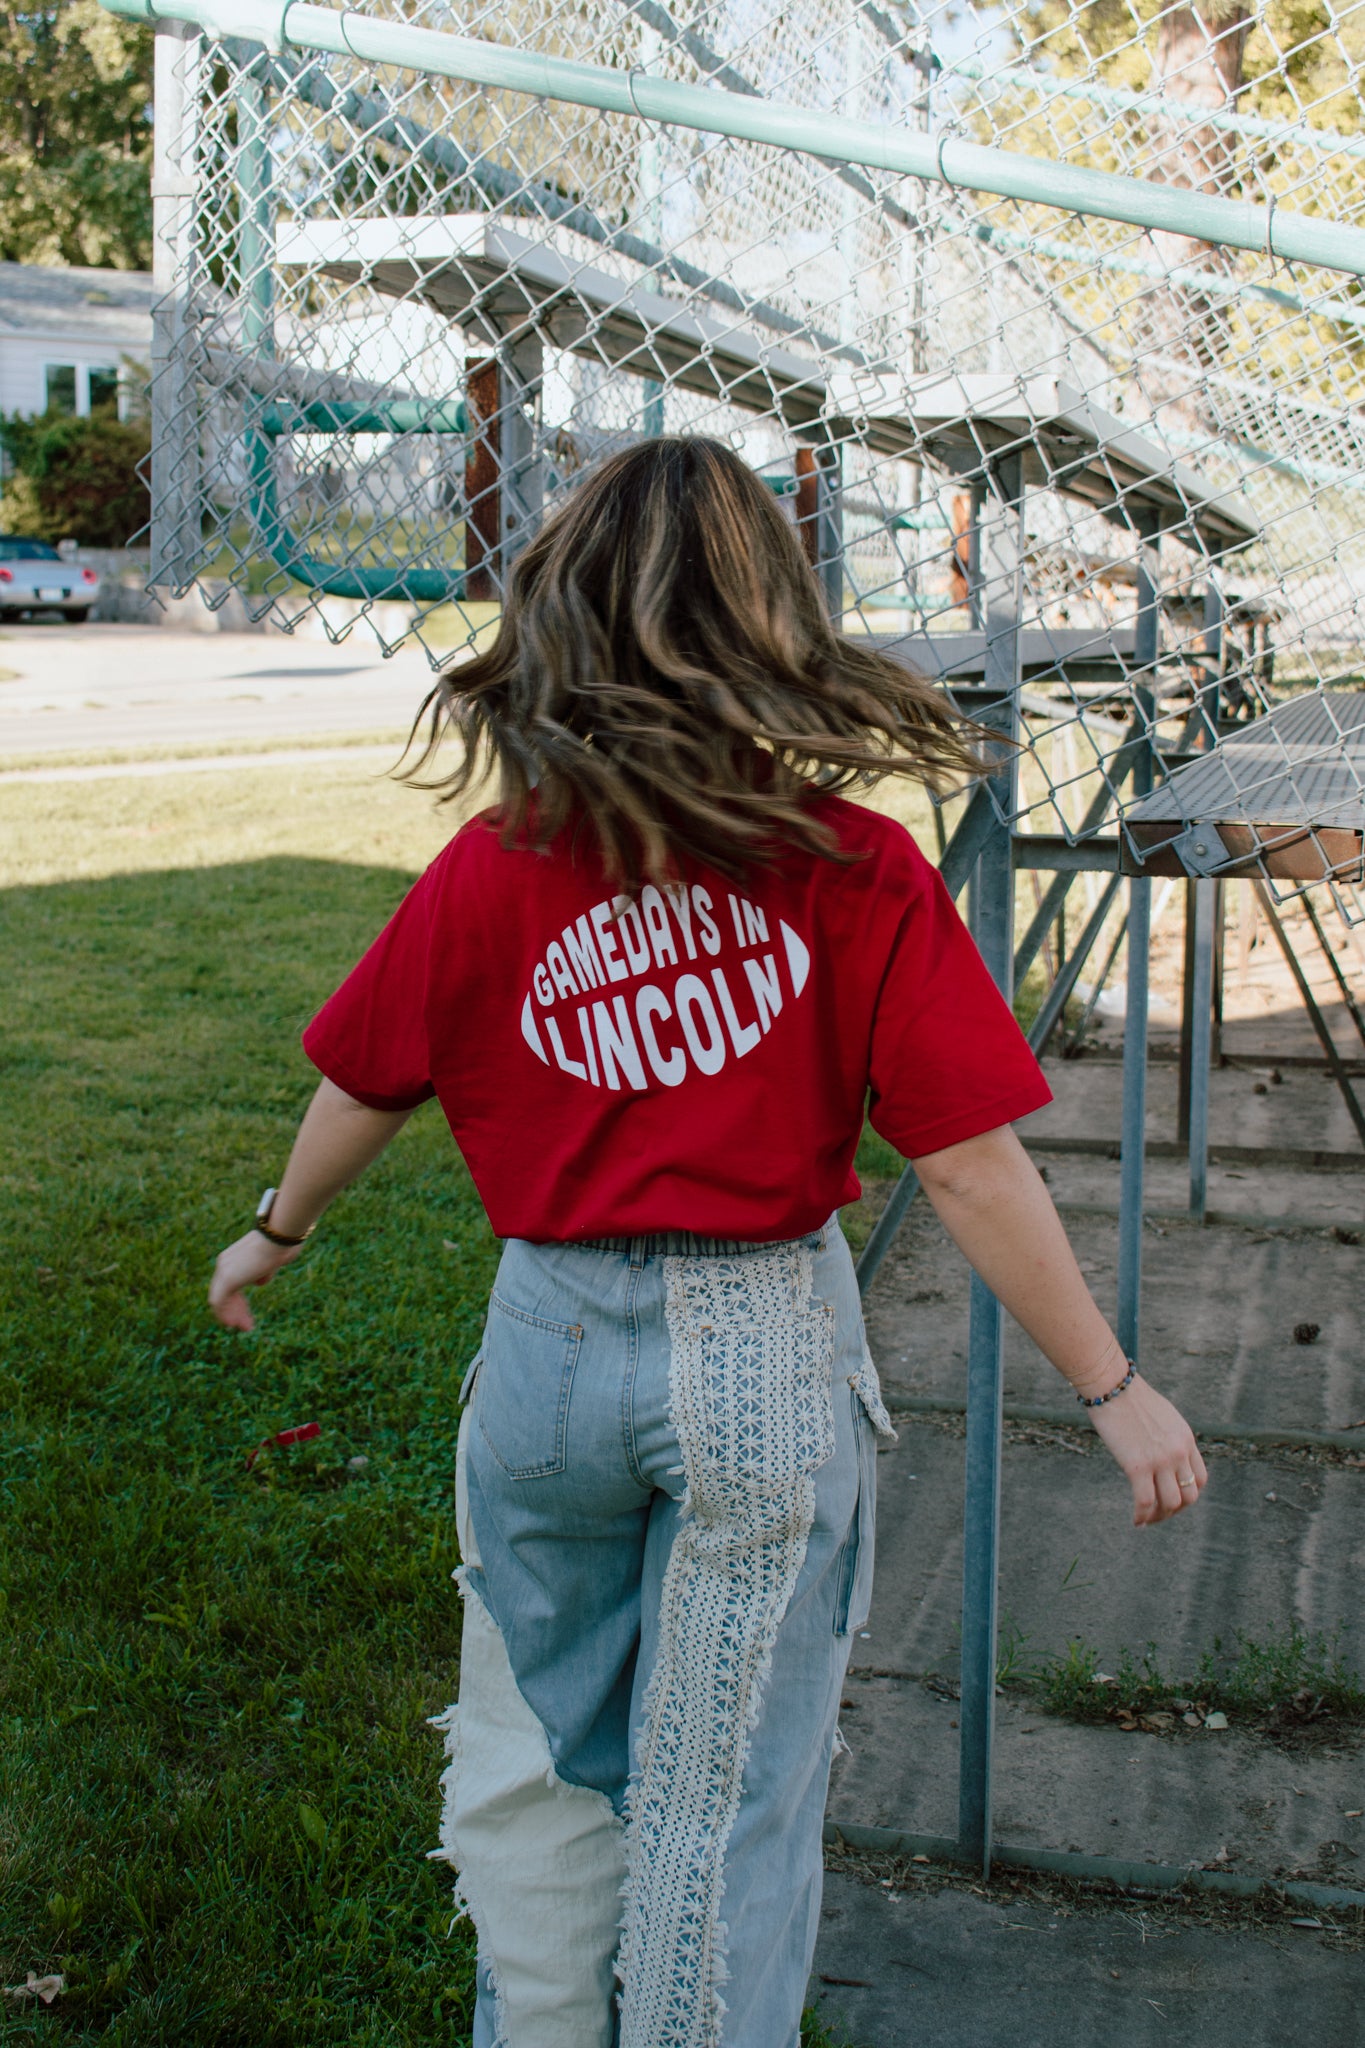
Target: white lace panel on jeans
(540,1862)
(750,1398)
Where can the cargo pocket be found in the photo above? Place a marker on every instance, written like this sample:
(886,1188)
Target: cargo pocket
(853,1599)
(525,1381)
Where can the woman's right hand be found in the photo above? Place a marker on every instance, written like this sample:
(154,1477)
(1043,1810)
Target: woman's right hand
(251,1262)
(1151,1441)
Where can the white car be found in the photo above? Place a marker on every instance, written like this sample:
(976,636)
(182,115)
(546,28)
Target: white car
(34,578)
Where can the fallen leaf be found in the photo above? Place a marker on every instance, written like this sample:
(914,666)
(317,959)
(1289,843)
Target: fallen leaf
(45,1988)
(313,1824)
(919,1859)
(1192,1720)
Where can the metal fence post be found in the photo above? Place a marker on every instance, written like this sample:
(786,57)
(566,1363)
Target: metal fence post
(176,456)
(1205,895)
(1134,1127)
(992,920)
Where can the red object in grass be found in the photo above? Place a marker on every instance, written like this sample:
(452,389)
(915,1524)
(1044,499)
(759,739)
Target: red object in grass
(283,1437)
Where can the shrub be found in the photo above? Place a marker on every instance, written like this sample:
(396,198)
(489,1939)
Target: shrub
(75,479)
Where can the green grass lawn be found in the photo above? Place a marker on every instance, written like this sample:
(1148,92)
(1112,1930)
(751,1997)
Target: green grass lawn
(217,1785)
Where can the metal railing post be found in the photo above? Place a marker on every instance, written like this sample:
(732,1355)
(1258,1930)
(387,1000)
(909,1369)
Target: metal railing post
(1201,1043)
(1134,1125)
(992,921)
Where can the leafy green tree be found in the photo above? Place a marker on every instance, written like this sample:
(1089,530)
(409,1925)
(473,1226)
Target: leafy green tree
(75,135)
(1285,59)
(75,479)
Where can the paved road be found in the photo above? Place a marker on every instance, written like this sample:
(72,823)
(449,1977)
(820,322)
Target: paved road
(93,688)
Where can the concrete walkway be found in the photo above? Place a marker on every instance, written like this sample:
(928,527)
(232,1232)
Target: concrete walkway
(1277,1540)
(903,1964)
(96,688)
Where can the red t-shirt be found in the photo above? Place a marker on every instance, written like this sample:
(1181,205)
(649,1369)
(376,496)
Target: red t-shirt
(700,1063)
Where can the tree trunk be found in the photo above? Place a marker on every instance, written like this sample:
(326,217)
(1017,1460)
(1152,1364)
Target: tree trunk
(1199,58)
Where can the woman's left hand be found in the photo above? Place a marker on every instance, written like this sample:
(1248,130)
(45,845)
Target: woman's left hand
(252,1261)
(1150,1440)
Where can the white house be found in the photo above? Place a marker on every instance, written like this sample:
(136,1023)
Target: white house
(66,335)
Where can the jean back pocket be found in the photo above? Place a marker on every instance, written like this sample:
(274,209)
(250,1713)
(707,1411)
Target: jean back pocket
(525,1380)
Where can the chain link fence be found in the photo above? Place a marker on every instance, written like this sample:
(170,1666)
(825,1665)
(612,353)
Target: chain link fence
(1103,480)
(402,312)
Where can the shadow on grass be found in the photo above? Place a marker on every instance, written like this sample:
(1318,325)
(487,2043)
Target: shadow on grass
(218,1786)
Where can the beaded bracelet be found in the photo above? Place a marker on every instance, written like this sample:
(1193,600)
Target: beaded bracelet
(1098,1400)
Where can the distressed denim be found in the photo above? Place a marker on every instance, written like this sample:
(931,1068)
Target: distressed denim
(666,1489)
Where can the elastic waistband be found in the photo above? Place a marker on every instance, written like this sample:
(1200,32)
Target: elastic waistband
(686,1244)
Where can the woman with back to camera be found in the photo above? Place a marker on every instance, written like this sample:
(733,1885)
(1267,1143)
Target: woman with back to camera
(655,988)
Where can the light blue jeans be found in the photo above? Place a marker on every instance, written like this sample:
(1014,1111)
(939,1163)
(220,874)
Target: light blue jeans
(667,1486)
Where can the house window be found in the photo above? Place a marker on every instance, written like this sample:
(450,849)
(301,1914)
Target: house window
(61,387)
(104,391)
(72,387)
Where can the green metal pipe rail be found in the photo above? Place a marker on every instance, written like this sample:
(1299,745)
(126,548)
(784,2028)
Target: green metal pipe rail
(944,159)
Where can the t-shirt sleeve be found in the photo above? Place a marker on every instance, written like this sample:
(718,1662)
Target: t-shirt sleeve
(948,1059)
(371,1036)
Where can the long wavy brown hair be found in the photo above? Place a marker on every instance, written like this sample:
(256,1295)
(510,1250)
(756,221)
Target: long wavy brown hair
(664,672)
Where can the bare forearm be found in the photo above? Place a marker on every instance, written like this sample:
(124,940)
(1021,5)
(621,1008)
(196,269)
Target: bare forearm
(992,1202)
(338,1138)
(994,1205)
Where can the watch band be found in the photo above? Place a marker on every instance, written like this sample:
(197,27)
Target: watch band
(262,1223)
